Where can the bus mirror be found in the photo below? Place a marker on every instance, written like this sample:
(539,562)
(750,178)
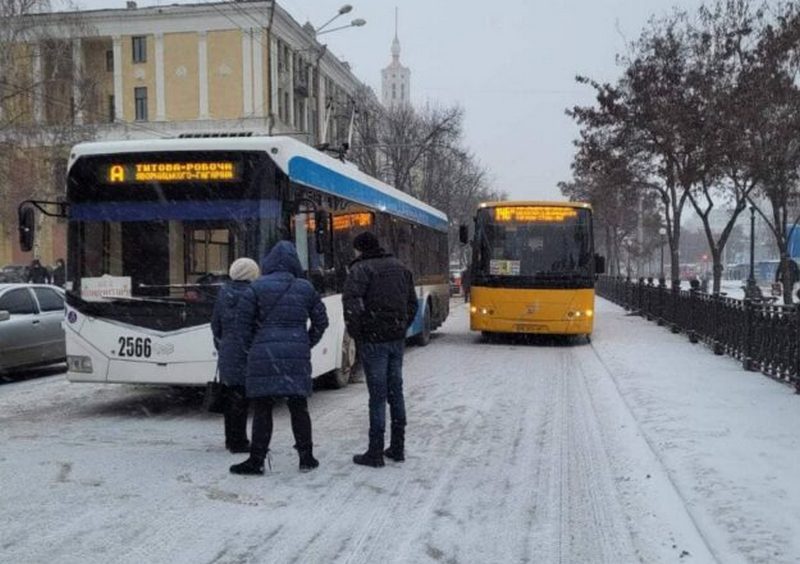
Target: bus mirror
(463,234)
(599,264)
(27,228)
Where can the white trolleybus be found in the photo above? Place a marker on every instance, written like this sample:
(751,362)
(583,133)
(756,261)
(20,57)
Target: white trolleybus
(154,225)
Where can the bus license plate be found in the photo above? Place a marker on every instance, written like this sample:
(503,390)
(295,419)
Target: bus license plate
(531,328)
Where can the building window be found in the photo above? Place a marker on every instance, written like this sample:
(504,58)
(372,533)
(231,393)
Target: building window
(112,111)
(139,49)
(109,60)
(140,98)
(394,91)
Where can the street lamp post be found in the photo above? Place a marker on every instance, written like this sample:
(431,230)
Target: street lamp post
(662,231)
(750,288)
(346,9)
(358,22)
(322,107)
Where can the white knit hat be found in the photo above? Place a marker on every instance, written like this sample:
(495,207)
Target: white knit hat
(244,269)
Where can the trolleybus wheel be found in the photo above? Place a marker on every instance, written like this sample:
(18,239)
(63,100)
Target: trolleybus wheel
(424,336)
(339,377)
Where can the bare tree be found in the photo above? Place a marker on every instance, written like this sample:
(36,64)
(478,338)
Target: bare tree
(774,145)
(39,112)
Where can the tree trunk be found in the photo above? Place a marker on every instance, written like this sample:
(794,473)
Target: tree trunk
(717,269)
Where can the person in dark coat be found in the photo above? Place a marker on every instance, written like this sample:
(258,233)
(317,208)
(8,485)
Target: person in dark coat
(794,272)
(38,274)
(59,273)
(273,319)
(379,306)
(232,352)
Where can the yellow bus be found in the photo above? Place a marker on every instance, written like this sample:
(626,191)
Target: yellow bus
(533,268)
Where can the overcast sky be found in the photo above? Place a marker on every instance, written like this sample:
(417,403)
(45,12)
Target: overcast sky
(510,64)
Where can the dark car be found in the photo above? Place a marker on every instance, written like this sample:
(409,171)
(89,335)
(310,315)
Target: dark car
(13,273)
(30,326)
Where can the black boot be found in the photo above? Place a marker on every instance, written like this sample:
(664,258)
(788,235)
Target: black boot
(396,450)
(307,460)
(252,465)
(236,421)
(374,455)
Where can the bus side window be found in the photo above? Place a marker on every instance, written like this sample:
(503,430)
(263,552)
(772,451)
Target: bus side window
(300,231)
(314,250)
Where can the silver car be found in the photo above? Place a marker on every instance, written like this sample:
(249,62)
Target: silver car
(30,326)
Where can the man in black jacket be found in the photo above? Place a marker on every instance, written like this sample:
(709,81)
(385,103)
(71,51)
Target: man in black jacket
(38,274)
(379,306)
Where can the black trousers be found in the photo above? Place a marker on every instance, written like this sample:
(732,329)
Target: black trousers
(235,416)
(262,424)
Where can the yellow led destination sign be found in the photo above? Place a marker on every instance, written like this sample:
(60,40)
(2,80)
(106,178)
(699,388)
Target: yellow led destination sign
(204,171)
(350,220)
(533,214)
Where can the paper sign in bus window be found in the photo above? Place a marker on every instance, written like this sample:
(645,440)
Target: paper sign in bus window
(103,287)
(499,267)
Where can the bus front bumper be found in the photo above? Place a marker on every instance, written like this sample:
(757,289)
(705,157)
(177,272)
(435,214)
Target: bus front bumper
(490,324)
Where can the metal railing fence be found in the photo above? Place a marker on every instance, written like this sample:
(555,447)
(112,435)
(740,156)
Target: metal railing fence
(764,336)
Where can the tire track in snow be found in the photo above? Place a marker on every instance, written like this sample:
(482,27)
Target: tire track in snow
(653,452)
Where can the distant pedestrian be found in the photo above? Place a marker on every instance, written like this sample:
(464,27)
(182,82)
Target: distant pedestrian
(38,274)
(794,272)
(273,319)
(379,306)
(59,273)
(465,284)
(232,352)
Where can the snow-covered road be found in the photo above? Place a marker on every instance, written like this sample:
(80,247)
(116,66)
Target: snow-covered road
(516,452)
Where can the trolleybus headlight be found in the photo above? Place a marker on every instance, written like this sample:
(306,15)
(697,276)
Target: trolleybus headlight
(589,313)
(473,309)
(487,311)
(79,364)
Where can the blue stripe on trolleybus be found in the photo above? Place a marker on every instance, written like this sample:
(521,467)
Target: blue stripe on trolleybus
(181,210)
(310,173)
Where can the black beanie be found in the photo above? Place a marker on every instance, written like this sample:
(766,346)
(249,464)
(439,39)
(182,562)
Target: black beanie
(366,242)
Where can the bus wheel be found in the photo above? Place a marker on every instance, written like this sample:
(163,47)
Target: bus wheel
(339,377)
(424,336)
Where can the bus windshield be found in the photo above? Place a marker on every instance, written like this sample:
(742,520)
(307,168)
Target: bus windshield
(526,245)
(154,234)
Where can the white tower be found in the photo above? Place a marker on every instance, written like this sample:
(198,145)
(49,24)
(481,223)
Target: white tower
(396,85)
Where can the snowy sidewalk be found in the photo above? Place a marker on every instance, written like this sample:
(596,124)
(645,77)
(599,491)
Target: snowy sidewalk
(730,439)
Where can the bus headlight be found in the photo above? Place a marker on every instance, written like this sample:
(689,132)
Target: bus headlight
(575,314)
(482,310)
(79,364)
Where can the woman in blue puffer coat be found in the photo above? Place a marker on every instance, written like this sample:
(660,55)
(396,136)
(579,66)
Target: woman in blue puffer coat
(232,352)
(274,316)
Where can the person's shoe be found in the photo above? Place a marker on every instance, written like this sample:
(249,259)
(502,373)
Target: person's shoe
(395,453)
(369,458)
(249,466)
(238,448)
(307,460)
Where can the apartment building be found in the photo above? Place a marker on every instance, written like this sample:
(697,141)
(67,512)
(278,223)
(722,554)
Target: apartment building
(156,71)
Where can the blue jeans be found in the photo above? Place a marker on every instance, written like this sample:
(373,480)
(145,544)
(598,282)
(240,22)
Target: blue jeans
(383,366)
